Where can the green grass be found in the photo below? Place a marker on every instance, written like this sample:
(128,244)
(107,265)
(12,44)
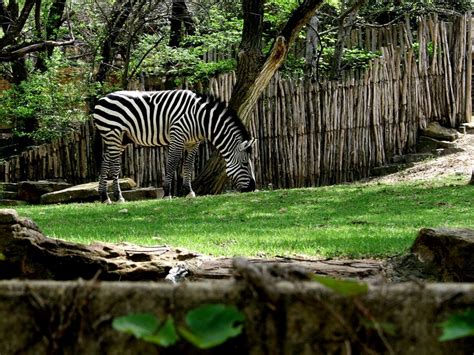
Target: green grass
(357,220)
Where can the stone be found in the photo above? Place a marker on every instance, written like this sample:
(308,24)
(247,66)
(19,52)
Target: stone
(435,130)
(31,191)
(83,193)
(9,186)
(145,193)
(8,202)
(8,215)
(8,195)
(430,145)
(468,127)
(389,169)
(448,251)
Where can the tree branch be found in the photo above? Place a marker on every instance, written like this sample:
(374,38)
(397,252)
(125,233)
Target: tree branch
(16,27)
(6,56)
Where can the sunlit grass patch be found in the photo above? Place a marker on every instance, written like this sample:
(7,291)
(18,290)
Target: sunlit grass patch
(357,220)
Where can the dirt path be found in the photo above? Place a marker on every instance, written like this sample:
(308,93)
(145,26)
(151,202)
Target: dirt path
(460,163)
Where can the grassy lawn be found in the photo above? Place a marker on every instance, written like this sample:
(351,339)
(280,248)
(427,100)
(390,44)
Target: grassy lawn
(357,220)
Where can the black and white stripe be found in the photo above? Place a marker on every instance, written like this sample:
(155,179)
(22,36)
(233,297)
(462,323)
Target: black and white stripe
(180,119)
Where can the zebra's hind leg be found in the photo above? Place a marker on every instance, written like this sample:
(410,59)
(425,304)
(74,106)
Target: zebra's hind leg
(175,153)
(115,172)
(104,170)
(191,150)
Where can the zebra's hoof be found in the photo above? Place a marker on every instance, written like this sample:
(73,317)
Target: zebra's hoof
(121,200)
(107,202)
(191,195)
(167,197)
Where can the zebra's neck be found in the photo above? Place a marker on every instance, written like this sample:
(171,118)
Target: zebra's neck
(222,127)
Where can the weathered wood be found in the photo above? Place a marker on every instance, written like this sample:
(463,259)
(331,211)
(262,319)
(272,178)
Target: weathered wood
(285,317)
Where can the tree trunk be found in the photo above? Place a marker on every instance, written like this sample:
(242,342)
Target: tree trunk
(253,74)
(53,23)
(118,17)
(346,22)
(180,17)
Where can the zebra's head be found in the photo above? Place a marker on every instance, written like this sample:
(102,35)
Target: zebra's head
(240,168)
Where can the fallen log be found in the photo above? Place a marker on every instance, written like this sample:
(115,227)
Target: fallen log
(300,317)
(26,253)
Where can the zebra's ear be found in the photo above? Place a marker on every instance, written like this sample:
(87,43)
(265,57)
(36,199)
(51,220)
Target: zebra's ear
(246,144)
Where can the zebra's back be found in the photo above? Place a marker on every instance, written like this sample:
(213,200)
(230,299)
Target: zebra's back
(144,117)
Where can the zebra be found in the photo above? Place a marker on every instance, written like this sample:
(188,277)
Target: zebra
(179,119)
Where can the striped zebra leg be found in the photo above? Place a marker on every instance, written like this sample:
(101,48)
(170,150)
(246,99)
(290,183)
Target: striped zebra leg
(175,153)
(115,171)
(191,150)
(104,171)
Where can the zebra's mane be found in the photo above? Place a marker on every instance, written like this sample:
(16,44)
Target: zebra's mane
(220,108)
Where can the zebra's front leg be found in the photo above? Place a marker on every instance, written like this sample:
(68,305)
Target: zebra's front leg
(175,152)
(191,150)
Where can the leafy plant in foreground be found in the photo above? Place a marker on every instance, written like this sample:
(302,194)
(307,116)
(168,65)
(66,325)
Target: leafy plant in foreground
(205,327)
(458,326)
(343,287)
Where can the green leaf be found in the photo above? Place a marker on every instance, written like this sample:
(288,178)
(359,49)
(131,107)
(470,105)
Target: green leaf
(211,325)
(387,328)
(343,287)
(166,335)
(138,324)
(458,326)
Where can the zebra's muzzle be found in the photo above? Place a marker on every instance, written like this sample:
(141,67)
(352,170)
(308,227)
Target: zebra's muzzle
(250,187)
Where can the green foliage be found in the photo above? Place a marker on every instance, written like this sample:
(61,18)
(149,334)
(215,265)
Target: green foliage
(351,58)
(212,324)
(205,327)
(216,32)
(382,11)
(458,326)
(343,287)
(137,324)
(182,62)
(148,327)
(54,100)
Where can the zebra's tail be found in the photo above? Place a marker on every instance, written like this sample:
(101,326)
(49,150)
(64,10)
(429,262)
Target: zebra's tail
(97,150)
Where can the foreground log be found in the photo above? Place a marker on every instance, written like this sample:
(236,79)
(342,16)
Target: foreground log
(26,253)
(299,318)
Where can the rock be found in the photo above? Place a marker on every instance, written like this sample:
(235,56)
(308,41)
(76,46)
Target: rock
(389,169)
(8,186)
(448,251)
(8,202)
(31,191)
(468,127)
(83,193)
(8,195)
(145,193)
(435,130)
(430,145)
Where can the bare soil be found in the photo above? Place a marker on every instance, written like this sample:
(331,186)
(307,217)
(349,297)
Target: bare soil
(460,163)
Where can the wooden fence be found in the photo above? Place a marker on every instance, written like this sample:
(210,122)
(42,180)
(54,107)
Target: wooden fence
(310,133)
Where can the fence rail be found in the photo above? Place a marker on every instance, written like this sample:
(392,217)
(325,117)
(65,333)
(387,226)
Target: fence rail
(311,133)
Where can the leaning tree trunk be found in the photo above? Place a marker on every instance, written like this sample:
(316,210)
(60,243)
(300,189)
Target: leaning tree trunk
(253,75)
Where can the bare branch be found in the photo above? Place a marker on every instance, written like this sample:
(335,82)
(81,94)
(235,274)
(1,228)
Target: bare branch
(6,56)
